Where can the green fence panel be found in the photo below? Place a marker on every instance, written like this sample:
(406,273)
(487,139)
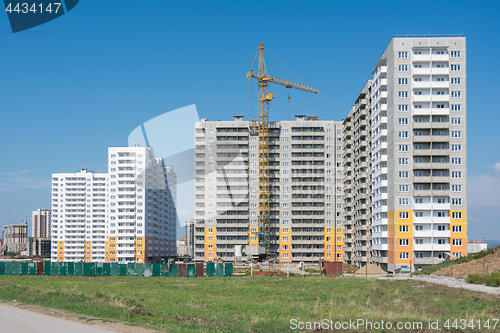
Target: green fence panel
(156,269)
(78,268)
(98,269)
(54,268)
(9,268)
(46,268)
(71,268)
(31,268)
(89,269)
(147,269)
(228,269)
(114,269)
(17,268)
(24,268)
(122,269)
(164,269)
(174,270)
(106,269)
(191,270)
(2,268)
(131,269)
(63,268)
(219,270)
(139,269)
(210,269)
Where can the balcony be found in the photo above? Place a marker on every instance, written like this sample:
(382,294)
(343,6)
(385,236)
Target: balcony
(440,98)
(421,98)
(422,111)
(421,57)
(421,71)
(440,84)
(440,71)
(422,84)
(441,206)
(441,247)
(440,111)
(441,220)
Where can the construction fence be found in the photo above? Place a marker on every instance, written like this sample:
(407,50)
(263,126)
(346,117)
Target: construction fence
(48,268)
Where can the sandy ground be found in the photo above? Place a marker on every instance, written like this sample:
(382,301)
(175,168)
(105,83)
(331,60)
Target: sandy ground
(486,265)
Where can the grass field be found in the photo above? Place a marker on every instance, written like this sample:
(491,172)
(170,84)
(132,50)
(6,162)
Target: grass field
(259,304)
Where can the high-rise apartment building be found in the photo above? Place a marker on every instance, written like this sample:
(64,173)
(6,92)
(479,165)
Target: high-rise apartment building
(40,223)
(356,197)
(79,203)
(125,215)
(142,213)
(190,235)
(305,194)
(416,155)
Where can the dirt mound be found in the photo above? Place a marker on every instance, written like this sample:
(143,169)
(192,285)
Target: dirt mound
(487,265)
(372,270)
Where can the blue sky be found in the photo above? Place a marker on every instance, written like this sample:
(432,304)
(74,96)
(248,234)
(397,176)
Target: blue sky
(74,86)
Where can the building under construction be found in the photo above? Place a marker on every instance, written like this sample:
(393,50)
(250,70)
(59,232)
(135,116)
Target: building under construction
(305,192)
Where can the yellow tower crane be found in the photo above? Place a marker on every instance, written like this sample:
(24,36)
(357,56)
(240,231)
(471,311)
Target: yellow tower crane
(264,97)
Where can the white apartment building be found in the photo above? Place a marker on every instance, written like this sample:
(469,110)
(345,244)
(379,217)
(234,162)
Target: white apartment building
(79,203)
(417,154)
(142,213)
(40,226)
(306,189)
(125,215)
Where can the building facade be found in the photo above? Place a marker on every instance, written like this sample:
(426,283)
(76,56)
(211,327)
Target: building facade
(416,154)
(41,223)
(79,204)
(39,246)
(142,213)
(306,189)
(15,237)
(190,235)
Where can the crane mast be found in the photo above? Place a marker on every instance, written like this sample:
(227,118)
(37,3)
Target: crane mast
(264,97)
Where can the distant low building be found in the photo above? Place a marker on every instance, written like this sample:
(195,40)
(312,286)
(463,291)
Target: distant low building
(183,249)
(38,246)
(476,246)
(15,237)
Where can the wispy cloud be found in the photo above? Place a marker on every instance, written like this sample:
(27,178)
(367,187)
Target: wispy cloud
(484,190)
(20,179)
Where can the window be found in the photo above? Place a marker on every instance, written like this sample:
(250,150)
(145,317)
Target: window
(456,161)
(455,80)
(403,147)
(403,55)
(456,242)
(403,121)
(402,81)
(403,161)
(285,239)
(403,174)
(404,242)
(456,188)
(404,215)
(456,202)
(403,201)
(456,228)
(455,107)
(455,54)
(403,107)
(403,188)
(285,139)
(455,68)
(455,94)
(403,68)
(403,134)
(404,255)
(455,121)
(402,94)
(456,215)
(456,174)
